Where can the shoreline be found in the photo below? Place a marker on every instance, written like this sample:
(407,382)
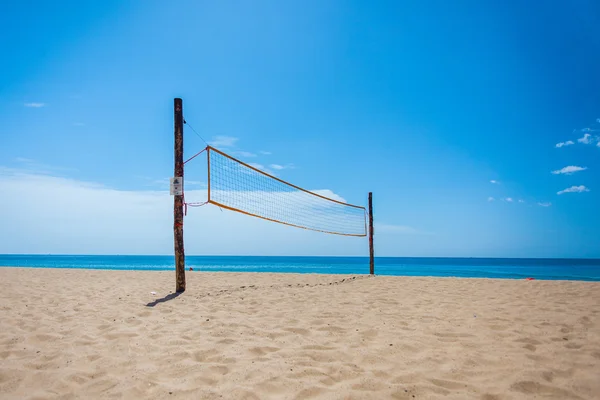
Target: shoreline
(199,271)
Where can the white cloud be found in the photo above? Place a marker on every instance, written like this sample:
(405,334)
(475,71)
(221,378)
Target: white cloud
(598,120)
(243,154)
(495,182)
(279,167)
(35,105)
(521,201)
(585,139)
(266,153)
(189,183)
(257,166)
(598,143)
(262,168)
(569,170)
(491,198)
(544,204)
(329,194)
(574,189)
(561,144)
(509,199)
(223,141)
(271,168)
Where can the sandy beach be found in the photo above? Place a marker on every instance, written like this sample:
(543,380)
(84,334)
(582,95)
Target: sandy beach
(87,334)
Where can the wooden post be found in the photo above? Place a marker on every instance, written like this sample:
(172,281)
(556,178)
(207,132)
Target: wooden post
(178,201)
(371,249)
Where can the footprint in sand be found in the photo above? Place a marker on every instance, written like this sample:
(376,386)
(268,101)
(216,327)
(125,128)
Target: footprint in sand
(446,384)
(528,340)
(298,331)
(317,347)
(261,351)
(219,370)
(566,329)
(573,346)
(310,392)
(93,357)
(536,388)
(530,347)
(204,355)
(489,396)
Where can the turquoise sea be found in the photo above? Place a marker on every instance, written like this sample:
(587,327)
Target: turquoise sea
(510,268)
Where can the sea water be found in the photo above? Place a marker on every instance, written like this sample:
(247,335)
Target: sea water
(511,268)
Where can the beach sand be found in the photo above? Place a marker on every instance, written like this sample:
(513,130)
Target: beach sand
(87,334)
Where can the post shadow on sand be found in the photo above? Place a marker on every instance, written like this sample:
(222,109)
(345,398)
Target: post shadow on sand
(164,299)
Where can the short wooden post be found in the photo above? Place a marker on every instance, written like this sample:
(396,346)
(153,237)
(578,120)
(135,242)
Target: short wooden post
(178,201)
(371,249)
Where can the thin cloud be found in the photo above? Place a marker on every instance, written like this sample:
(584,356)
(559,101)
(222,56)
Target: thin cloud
(244,154)
(279,167)
(35,105)
(164,182)
(521,201)
(571,169)
(509,199)
(495,182)
(265,153)
(329,194)
(562,144)
(544,204)
(491,199)
(30,166)
(78,124)
(195,183)
(262,168)
(257,166)
(574,189)
(223,141)
(586,139)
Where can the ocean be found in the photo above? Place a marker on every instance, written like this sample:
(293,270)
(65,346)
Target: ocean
(509,268)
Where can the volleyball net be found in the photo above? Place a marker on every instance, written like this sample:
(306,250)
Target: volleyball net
(240,187)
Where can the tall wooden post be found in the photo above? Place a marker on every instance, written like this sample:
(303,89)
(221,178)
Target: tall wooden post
(178,201)
(371,249)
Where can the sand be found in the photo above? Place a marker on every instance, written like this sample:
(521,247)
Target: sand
(81,334)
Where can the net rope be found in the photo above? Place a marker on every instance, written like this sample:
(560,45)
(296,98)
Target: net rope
(240,187)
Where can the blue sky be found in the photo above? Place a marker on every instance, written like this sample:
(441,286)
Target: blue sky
(422,103)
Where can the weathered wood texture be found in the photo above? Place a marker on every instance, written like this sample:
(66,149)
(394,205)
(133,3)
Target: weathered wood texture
(371,249)
(178,201)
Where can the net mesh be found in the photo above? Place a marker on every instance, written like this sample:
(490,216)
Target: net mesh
(240,187)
